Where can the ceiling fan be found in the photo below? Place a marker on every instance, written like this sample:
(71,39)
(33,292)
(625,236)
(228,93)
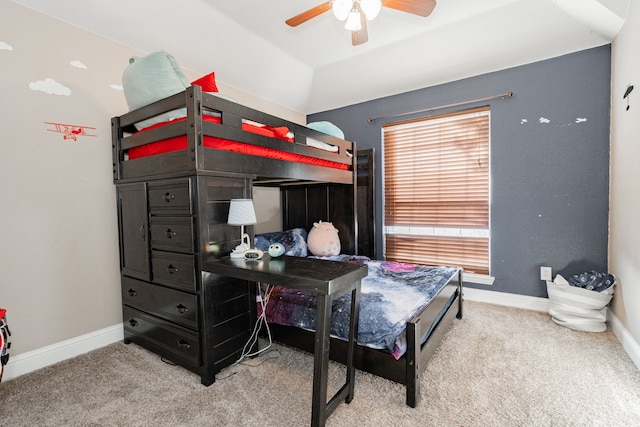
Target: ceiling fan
(357,12)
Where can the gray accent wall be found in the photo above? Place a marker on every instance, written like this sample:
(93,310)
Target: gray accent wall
(549,161)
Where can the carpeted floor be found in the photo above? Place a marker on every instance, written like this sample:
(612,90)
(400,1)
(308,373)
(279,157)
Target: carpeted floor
(497,367)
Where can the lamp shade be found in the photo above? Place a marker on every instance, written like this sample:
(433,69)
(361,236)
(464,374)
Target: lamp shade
(353,21)
(241,212)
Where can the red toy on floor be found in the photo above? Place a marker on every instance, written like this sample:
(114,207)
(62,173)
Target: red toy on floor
(5,345)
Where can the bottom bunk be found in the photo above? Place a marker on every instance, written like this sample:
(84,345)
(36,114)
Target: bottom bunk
(436,318)
(405,312)
(412,334)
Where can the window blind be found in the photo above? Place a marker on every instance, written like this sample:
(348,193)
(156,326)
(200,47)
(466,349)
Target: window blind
(436,185)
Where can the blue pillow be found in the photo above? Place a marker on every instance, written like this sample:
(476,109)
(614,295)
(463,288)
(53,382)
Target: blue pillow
(294,241)
(328,128)
(152,78)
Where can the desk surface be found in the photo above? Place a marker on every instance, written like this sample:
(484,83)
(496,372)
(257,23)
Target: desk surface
(317,275)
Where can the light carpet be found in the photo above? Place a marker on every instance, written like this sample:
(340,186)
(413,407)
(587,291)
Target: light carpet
(497,366)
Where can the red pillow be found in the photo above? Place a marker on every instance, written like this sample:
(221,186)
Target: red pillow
(208,83)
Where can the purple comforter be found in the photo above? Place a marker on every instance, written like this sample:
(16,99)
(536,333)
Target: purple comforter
(391,294)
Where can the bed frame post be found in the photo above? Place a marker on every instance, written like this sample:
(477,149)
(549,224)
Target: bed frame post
(459,315)
(354,176)
(194,117)
(116,145)
(413,360)
(366,203)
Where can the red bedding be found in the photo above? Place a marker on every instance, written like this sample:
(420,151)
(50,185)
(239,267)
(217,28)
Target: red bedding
(180,143)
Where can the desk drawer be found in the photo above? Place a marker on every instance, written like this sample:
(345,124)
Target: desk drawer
(172,305)
(175,270)
(170,197)
(173,234)
(179,344)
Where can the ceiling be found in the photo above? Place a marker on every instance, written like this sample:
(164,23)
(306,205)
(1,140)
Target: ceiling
(314,67)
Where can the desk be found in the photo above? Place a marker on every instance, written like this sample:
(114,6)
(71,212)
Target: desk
(328,279)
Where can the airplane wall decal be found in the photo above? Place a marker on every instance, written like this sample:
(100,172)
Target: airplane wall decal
(71,132)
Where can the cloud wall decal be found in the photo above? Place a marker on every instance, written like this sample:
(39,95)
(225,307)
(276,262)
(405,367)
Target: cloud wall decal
(78,64)
(50,86)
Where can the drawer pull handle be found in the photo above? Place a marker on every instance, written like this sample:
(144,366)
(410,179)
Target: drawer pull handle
(171,269)
(182,309)
(143,234)
(133,322)
(132,293)
(168,197)
(171,233)
(183,344)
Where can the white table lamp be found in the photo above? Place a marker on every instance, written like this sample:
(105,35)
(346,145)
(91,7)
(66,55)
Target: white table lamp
(241,212)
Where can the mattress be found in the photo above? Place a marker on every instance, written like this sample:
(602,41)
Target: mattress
(282,133)
(391,294)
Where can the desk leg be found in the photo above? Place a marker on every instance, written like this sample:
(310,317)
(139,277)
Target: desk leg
(321,361)
(353,329)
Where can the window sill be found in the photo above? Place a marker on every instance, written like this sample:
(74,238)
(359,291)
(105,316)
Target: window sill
(480,279)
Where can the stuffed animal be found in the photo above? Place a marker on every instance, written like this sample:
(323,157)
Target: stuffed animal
(323,239)
(276,249)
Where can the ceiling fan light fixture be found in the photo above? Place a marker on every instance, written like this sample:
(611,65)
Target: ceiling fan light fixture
(341,8)
(353,21)
(371,8)
(356,13)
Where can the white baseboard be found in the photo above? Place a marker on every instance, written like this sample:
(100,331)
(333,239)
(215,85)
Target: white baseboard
(542,304)
(630,345)
(33,360)
(510,300)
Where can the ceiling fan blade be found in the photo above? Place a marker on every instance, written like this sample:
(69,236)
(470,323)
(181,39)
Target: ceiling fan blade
(360,36)
(308,14)
(417,7)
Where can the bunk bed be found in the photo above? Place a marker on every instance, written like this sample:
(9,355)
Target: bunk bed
(176,179)
(222,136)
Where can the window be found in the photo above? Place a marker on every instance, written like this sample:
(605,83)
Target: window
(436,189)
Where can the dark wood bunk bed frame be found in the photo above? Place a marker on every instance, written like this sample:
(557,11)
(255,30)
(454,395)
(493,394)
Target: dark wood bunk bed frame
(219,315)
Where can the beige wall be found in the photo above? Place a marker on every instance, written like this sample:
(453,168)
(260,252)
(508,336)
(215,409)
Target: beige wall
(624,228)
(59,274)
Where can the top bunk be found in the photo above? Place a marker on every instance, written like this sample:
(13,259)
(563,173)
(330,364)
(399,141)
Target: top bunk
(217,136)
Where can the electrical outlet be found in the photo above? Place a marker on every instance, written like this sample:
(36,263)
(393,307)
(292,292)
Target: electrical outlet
(545,274)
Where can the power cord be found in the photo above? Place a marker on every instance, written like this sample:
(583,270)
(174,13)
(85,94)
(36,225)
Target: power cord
(260,321)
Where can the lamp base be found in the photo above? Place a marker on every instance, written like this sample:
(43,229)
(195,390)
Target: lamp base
(239,251)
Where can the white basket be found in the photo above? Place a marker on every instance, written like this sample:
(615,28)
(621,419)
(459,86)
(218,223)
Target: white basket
(578,308)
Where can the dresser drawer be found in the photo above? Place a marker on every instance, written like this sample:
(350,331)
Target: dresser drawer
(172,233)
(178,344)
(170,304)
(170,197)
(175,270)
